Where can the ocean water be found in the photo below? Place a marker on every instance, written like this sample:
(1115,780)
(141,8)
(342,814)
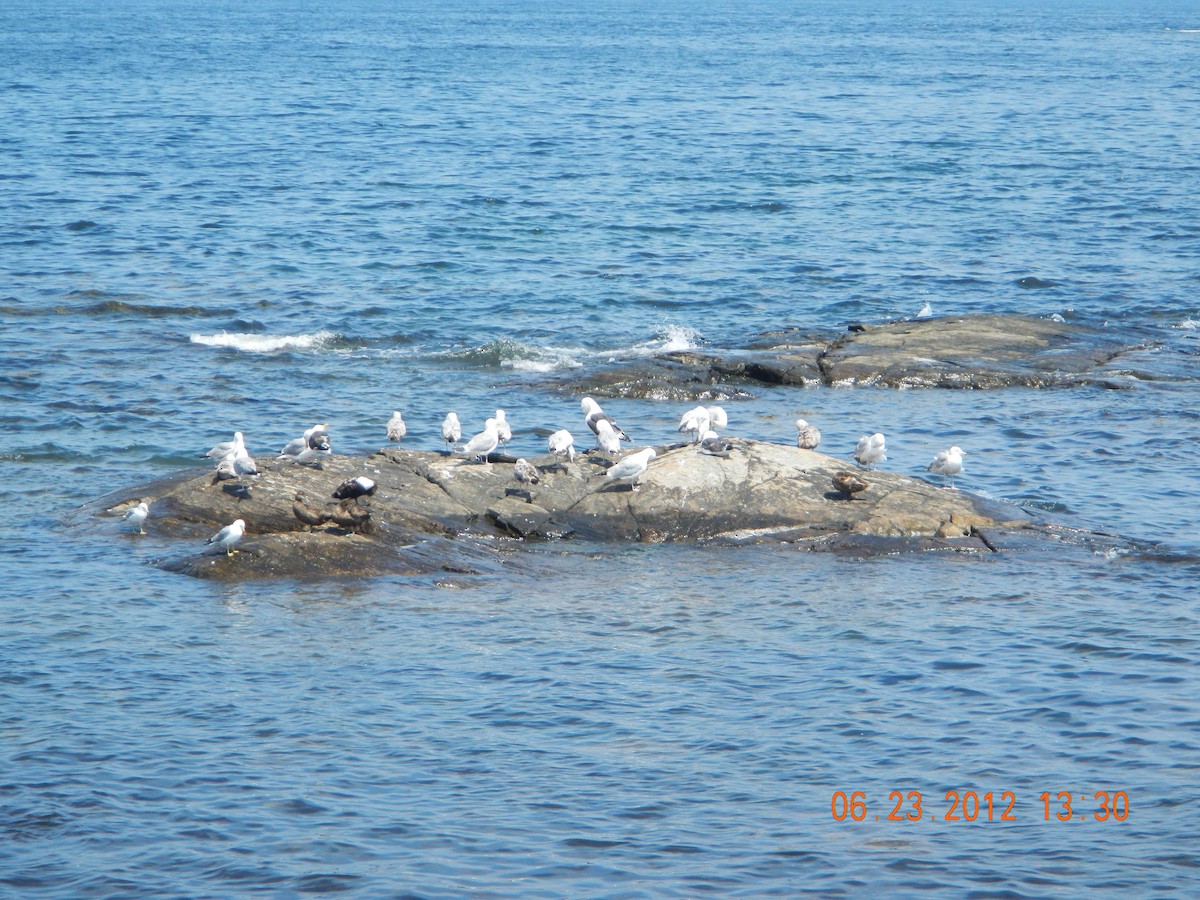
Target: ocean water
(221,215)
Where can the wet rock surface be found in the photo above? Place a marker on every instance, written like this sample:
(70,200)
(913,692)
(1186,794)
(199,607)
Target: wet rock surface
(434,513)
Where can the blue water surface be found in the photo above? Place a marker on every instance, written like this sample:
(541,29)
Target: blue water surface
(220,216)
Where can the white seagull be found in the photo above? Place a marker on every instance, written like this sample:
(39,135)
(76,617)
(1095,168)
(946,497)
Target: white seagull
(503,430)
(948,463)
(299,445)
(717,417)
(695,422)
(229,536)
(483,443)
(925,311)
(236,464)
(631,468)
(451,430)
(606,437)
(562,444)
(592,413)
(223,449)
(136,516)
(808,437)
(396,429)
(870,450)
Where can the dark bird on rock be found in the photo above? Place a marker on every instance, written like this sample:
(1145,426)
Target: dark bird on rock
(349,515)
(849,483)
(307,513)
(362,486)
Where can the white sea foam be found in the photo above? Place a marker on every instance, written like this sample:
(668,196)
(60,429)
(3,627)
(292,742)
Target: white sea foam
(263,343)
(550,359)
(668,338)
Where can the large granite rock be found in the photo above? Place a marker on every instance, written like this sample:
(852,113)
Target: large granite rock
(974,351)
(435,513)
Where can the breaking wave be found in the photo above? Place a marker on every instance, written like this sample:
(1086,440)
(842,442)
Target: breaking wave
(264,343)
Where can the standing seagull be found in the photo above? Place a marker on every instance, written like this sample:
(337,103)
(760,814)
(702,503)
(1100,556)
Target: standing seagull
(717,417)
(451,430)
(947,463)
(592,413)
(396,429)
(483,443)
(631,468)
(925,311)
(606,437)
(229,536)
(870,450)
(136,516)
(695,422)
(808,436)
(503,431)
(562,444)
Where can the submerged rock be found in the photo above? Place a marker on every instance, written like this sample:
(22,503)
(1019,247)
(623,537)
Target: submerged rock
(974,351)
(432,512)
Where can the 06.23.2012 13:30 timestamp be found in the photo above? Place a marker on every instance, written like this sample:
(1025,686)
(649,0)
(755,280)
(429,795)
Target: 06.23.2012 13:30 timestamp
(973,806)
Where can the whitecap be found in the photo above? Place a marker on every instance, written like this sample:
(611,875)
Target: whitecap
(506,353)
(263,343)
(668,338)
(550,361)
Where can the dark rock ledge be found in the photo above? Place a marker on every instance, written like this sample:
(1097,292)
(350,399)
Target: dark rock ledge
(434,513)
(974,351)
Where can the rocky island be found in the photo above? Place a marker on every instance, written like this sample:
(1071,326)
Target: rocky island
(438,512)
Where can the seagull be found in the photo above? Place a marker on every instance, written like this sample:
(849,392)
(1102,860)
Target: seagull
(849,483)
(136,516)
(695,422)
(353,488)
(948,463)
(229,536)
(308,514)
(297,446)
(235,465)
(631,468)
(451,430)
(717,417)
(223,449)
(243,464)
(870,450)
(525,472)
(503,431)
(396,429)
(711,442)
(809,436)
(925,311)
(562,444)
(483,443)
(592,413)
(606,437)
(317,444)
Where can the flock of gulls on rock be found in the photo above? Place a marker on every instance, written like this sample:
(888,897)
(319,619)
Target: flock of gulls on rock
(234,462)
